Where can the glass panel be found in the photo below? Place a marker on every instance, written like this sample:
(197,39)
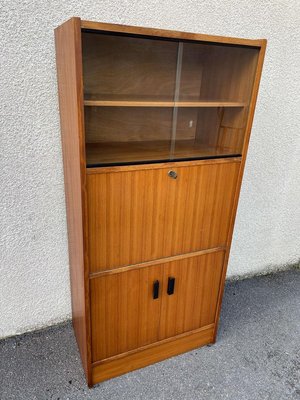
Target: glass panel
(150,100)
(214,93)
(129,85)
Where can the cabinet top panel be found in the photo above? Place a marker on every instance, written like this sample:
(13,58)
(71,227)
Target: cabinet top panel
(137,30)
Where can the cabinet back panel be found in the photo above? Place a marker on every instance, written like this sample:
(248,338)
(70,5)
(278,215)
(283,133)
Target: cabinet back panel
(136,124)
(122,65)
(228,73)
(144,215)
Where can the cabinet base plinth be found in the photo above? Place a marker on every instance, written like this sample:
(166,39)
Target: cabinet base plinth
(116,366)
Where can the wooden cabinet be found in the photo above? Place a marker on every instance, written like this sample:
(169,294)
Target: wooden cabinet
(155,128)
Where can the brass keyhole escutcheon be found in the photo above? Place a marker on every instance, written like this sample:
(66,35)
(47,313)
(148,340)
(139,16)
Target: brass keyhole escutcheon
(172,174)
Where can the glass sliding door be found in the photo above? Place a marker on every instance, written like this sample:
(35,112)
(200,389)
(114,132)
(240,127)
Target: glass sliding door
(129,86)
(214,87)
(150,100)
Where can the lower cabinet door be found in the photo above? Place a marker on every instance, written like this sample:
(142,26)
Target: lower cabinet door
(190,294)
(124,311)
(142,306)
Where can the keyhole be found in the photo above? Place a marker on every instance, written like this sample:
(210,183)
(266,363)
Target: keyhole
(172,174)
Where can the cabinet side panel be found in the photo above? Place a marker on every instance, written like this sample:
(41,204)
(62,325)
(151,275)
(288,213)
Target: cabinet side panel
(240,175)
(69,71)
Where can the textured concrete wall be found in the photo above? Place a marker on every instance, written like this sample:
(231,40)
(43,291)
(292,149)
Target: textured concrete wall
(34,277)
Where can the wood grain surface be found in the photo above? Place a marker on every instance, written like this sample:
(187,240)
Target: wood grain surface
(151,354)
(125,316)
(69,72)
(138,30)
(145,215)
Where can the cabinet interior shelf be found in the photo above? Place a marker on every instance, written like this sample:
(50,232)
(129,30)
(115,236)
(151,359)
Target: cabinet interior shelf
(169,104)
(129,152)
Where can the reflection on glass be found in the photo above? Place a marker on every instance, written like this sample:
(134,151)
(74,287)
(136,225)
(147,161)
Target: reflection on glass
(151,100)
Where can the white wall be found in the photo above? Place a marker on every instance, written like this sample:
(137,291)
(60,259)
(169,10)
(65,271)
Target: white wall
(34,277)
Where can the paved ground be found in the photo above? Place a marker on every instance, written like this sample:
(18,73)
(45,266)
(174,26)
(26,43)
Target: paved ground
(256,357)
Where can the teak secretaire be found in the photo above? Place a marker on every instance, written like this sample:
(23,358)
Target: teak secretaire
(155,128)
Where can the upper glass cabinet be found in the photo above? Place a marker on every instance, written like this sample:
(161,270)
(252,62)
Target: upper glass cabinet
(150,100)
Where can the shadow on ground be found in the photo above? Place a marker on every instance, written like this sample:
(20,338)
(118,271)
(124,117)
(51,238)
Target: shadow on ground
(256,357)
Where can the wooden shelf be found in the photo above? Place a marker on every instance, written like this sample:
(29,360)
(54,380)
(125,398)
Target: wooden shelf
(130,152)
(145,103)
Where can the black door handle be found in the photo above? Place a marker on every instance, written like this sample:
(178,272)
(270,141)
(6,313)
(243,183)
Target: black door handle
(155,289)
(171,285)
